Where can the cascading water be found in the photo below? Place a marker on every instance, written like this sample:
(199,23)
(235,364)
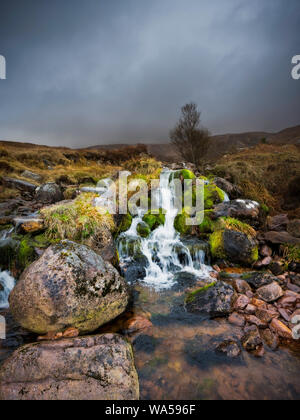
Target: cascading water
(160,249)
(7,283)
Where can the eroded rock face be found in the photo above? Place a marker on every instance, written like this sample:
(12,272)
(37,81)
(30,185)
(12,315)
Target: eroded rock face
(86,368)
(49,193)
(214,301)
(69,286)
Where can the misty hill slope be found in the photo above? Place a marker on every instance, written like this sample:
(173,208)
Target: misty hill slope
(221,144)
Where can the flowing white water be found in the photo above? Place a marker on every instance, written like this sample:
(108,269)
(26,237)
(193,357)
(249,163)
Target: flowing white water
(160,247)
(7,283)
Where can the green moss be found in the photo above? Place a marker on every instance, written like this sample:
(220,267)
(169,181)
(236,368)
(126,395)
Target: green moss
(207,225)
(181,225)
(143,230)
(126,223)
(217,244)
(185,174)
(212,196)
(234,224)
(154,218)
(191,296)
(255,254)
(26,253)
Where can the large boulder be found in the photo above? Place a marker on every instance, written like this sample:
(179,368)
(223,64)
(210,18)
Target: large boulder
(233,246)
(49,193)
(86,368)
(239,209)
(215,300)
(69,286)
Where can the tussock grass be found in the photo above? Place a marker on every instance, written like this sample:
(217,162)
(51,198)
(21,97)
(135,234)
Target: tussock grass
(263,172)
(76,220)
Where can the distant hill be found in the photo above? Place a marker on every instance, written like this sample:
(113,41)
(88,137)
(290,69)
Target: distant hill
(221,144)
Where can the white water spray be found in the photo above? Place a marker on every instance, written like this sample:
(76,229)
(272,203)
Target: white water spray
(160,248)
(7,283)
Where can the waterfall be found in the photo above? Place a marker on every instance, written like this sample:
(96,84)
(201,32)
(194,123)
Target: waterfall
(166,255)
(7,283)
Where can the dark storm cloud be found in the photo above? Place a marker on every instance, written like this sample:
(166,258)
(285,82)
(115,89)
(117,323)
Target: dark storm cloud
(82,73)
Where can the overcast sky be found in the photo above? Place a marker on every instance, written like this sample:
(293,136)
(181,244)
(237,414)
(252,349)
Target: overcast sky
(91,72)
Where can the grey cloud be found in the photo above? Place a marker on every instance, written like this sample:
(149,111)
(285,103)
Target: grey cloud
(83,73)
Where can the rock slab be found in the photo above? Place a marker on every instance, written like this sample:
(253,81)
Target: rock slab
(86,368)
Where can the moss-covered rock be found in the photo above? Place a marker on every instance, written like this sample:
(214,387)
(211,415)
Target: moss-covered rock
(143,230)
(154,218)
(233,246)
(125,223)
(26,253)
(212,196)
(234,224)
(181,225)
(206,223)
(183,174)
(8,253)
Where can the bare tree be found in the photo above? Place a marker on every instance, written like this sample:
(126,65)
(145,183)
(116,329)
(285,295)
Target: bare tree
(189,138)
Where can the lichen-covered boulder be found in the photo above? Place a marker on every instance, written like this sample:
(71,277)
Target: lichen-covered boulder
(49,193)
(85,368)
(214,300)
(234,246)
(69,286)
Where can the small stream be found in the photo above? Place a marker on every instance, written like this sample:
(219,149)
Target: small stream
(176,358)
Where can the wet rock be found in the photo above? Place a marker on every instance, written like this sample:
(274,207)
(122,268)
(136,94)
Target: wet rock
(270,293)
(137,324)
(278,223)
(25,226)
(258,279)
(265,315)
(69,286)
(250,309)
(265,251)
(258,303)
(281,329)
(241,286)
(294,267)
(276,268)
(239,248)
(49,193)
(241,302)
(266,261)
(230,348)
(293,228)
(284,314)
(252,341)
(22,186)
(281,238)
(239,209)
(270,339)
(293,288)
(214,301)
(237,319)
(86,368)
(232,190)
(8,252)
(32,175)
(255,321)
